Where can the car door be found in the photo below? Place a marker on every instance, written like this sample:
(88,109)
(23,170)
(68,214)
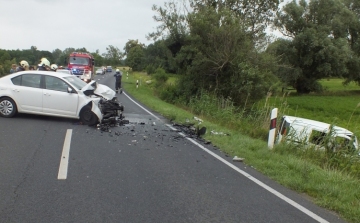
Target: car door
(27,93)
(57,100)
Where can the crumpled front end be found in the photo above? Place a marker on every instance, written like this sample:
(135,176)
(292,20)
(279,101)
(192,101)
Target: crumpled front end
(96,109)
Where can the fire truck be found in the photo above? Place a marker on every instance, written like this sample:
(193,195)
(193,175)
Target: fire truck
(82,65)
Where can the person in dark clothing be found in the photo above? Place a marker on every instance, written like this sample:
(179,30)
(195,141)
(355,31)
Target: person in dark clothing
(118,76)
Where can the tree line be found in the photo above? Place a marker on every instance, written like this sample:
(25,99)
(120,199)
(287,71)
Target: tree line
(223,47)
(113,56)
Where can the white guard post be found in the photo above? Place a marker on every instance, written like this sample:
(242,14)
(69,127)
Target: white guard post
(127,75)
(272,130)
(137,83)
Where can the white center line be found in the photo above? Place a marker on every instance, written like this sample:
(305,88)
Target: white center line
(64,161)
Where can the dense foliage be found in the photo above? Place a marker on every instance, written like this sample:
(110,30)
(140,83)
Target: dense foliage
(223,47)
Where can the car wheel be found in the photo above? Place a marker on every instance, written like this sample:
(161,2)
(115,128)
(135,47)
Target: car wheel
(7,107)
(87,117)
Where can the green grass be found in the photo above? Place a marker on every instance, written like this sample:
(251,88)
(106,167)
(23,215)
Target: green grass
(336,84)
(343,110)
(331,189)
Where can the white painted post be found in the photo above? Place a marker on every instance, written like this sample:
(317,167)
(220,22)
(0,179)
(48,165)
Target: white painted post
(137,83)
(127,75)
(272,130)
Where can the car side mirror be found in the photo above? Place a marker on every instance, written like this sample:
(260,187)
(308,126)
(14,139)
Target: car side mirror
(70,90)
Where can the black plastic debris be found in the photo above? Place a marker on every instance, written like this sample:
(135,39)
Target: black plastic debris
(112,112)
(192,131)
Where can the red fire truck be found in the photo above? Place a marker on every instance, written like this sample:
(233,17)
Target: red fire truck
(82,65)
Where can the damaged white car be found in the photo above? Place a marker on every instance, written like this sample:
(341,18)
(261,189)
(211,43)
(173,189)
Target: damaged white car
(55,94)
(314,133)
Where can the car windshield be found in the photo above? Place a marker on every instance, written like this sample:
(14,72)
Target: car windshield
(79,60)
(76,82)
(109,67)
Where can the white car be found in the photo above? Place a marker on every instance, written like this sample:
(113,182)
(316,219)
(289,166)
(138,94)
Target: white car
(53,94)
(100,71)
(311,132)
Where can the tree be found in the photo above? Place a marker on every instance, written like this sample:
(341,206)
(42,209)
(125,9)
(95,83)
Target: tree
(132,43)
(113,55)
(135,58)
(158,55)
(99,60)
(57,56)
(315,48)
(214,47)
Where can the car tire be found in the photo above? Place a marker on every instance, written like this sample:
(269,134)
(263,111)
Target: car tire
(7,107)
(87,117)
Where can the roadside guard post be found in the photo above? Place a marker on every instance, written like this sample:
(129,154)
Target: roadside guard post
(137,83)
(272,130)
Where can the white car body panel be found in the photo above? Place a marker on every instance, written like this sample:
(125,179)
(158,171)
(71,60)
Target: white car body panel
(60,103)
(29,102)
(65,71)
(101,89)
(300,130)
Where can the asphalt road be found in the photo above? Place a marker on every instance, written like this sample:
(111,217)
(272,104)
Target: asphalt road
(142,172)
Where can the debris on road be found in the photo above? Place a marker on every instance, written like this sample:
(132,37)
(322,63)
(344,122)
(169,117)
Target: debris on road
(112,114)
(238,159)
(218,133)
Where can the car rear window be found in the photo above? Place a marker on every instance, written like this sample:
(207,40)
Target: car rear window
(27,80)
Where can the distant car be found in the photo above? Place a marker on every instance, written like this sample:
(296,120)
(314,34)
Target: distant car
(100,71)
(53,94)
(65,71)
(108,69)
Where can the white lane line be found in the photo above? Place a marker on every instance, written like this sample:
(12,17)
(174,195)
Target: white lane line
(64,160)
(141,106)
(258,182)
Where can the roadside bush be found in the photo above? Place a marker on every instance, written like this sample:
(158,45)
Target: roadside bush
(150,69)
(168,93)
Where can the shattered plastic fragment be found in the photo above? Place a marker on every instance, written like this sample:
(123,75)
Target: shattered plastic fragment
(238,159)
(218,133)
(198,119)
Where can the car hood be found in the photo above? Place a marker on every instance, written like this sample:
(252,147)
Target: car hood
(93,88)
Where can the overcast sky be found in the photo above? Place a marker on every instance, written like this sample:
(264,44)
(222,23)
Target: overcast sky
(93,24)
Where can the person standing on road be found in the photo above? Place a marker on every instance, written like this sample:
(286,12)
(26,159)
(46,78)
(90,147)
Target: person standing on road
(118,76)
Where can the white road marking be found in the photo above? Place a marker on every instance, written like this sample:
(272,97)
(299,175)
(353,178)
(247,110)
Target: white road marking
(258,182)
(141,106)
(64,161)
